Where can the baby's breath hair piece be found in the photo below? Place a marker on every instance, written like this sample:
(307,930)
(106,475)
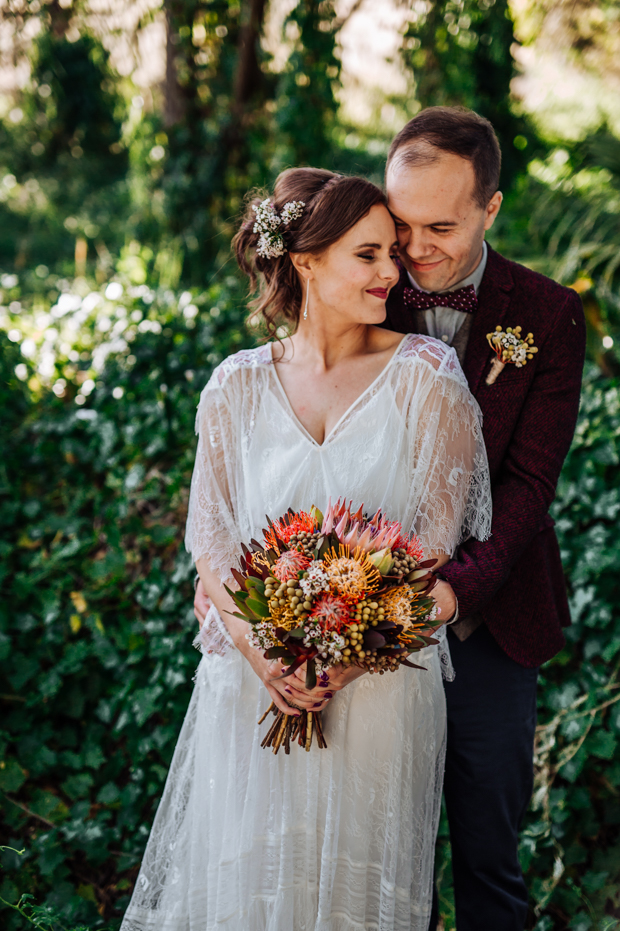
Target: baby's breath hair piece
(269,226)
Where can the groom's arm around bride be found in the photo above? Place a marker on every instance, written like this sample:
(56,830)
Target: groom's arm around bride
(442,180)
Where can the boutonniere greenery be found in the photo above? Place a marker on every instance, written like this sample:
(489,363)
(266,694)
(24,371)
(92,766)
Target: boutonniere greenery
(510,348)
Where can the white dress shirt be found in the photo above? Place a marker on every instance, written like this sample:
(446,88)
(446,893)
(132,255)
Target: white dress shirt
(445,322)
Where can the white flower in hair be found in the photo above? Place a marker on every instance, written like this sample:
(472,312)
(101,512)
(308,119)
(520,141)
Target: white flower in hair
(268,225)
(292,211)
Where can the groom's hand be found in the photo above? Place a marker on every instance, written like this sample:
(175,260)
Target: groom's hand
(446,600)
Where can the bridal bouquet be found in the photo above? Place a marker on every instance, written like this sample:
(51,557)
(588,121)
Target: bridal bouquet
(330,589)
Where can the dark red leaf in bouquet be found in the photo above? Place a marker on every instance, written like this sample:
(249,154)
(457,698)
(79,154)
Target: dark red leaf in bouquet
(264,572)
(281,544)
(310,674)
(405,662)
(427,564)
(305,655)
(239,579)
(373,640)
(276,652)
(428,640)
(414,577)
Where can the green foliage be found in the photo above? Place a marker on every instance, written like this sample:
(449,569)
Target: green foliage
(99,379)
(306,113)
(63,159)
(38,916)
(459,51)
(571,843)
(561,219)
(95,621)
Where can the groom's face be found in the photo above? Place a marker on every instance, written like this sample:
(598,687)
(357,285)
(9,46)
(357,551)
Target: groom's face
(439,225)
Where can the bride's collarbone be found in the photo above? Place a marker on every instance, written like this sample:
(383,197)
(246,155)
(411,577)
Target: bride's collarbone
(320,399)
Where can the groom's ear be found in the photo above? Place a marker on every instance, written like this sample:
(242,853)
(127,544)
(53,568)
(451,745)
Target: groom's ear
(492,209)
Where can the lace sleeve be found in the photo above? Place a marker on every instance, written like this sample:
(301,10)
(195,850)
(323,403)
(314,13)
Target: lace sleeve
(451,491)
(212,523)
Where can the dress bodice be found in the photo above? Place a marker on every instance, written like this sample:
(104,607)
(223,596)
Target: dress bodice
(286,467)
(411,444)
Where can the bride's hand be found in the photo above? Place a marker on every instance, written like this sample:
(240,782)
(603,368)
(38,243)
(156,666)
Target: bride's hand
(318,698)
(267,670)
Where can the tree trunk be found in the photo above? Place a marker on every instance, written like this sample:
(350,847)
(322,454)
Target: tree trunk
(248,74)
(174,100)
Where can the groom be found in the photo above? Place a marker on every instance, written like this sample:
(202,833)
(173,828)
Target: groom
(442,181)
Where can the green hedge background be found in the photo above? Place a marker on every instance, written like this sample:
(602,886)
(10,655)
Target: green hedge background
(117,298)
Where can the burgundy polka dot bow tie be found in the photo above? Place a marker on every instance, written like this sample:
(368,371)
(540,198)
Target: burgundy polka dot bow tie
(463,299)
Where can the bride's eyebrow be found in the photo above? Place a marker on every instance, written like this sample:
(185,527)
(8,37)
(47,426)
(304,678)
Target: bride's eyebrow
(369,245)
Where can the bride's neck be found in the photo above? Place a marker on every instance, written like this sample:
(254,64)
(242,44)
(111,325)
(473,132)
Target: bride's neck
(325,345)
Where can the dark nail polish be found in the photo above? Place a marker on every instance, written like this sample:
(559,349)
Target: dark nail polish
(328,695)
(318,704)
(286,689)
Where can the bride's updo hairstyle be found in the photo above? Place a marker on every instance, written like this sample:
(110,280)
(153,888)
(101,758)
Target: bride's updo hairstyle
(333,205)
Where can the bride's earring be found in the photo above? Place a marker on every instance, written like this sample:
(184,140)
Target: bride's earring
(307,299)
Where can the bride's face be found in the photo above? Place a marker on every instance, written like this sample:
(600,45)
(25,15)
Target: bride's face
(352,278)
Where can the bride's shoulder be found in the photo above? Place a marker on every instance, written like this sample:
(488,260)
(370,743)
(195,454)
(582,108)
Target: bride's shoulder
(243,361)
(417,348)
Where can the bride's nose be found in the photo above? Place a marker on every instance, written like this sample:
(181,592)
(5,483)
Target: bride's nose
(388,271)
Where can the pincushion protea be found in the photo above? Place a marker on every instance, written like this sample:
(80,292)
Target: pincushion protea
(337,588)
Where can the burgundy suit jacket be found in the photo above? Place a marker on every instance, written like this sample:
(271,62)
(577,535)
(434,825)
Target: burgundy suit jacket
(515,579)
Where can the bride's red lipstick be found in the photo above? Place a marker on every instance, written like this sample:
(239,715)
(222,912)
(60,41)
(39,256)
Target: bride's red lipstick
(378,292)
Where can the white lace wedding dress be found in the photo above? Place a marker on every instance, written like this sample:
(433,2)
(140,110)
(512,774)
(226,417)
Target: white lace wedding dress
(340,839)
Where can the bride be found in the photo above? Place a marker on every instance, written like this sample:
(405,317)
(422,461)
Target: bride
(340,839)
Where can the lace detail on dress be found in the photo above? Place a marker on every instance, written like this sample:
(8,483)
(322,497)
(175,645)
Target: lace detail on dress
(334,840)
(445,660)
(213,636)
(261,355)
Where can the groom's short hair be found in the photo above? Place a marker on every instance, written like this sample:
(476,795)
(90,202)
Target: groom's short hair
(456,130)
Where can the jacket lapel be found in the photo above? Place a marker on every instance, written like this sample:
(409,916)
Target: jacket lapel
(494,300)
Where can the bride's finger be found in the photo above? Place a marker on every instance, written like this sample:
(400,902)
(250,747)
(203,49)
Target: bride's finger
(297,696)
(279,702)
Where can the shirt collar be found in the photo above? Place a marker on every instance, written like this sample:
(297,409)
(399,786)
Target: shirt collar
(475,278)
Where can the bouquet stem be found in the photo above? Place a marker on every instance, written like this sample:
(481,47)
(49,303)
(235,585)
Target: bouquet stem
(290,727)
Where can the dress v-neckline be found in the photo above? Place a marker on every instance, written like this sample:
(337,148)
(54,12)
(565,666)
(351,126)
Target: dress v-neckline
(297,422)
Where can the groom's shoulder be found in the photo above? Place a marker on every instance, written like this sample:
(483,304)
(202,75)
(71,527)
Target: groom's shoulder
(528,284)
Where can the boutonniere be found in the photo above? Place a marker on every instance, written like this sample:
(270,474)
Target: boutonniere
(509,348)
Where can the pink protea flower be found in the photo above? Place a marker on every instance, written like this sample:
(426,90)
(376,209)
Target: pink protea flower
(289,565)
(331,611)
(357,532)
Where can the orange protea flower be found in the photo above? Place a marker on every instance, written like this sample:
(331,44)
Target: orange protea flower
(351,575)
(290,524)
(283,616)
(289,565)
(412,545)
(331,611)
(397,605)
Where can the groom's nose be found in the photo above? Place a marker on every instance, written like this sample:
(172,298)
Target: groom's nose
(419,244)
